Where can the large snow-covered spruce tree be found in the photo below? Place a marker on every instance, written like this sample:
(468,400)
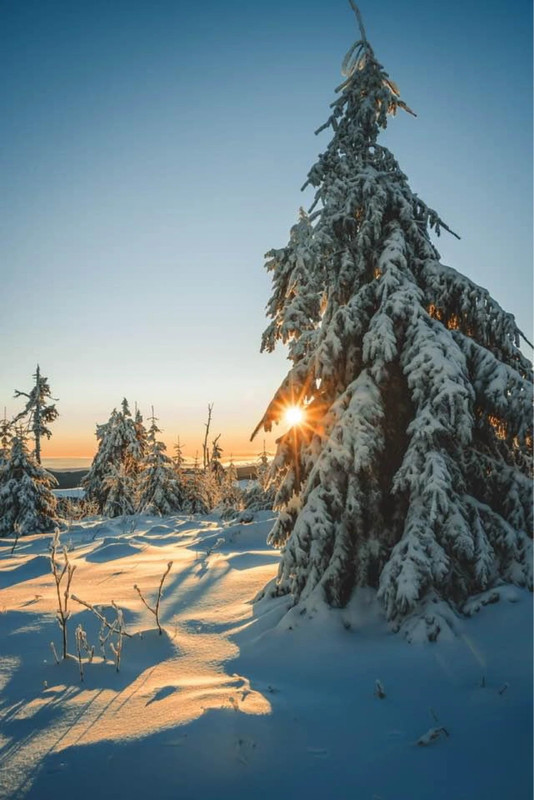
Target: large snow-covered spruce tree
(411,472)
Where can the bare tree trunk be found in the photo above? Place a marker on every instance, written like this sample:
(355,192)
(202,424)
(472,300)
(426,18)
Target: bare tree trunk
(37,420)
(205,451)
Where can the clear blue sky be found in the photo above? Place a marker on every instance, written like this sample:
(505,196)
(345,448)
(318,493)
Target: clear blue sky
(154,151)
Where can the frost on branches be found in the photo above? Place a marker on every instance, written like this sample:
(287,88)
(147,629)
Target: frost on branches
(27,502)
(411,472)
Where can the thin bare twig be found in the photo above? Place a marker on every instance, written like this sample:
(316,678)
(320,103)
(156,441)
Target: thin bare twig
(155,610)
(58,572)
(111,625)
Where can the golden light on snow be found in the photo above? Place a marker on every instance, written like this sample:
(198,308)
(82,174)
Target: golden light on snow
(165,681)
(294,415)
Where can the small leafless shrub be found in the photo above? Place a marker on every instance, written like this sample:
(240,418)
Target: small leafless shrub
(111,633)
(61,572)
(155,609)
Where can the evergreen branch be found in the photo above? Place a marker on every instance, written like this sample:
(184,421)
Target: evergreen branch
(522,335)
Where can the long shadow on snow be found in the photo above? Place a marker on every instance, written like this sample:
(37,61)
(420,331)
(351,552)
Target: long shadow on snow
(320,740)
(39,695)
(175,600)
(33,568)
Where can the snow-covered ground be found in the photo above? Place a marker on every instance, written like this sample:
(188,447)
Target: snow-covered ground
(235,700)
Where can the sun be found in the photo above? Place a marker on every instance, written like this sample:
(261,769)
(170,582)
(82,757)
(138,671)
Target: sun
(294,415)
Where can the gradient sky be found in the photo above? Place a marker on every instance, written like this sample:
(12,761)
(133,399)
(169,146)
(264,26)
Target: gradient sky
(154,150)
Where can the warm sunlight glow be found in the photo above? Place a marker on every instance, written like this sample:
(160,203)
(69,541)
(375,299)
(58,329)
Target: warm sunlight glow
(294,415)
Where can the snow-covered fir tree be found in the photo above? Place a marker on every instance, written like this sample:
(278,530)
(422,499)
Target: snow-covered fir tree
(231,494)
(213,476)
(211,486)
(411,472)
(178,458)
(38,412)
(215,465)
(118,446)
(197,501)
(26,497)
(160,490)
(120,492)
(260,494)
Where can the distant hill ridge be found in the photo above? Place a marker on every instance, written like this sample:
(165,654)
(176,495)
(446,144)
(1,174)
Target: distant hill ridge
(72,478)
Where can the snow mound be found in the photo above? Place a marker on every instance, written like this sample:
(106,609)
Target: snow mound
(111,549)
(159,530)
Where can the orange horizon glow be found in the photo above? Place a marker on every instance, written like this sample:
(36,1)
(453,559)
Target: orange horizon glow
(236,447)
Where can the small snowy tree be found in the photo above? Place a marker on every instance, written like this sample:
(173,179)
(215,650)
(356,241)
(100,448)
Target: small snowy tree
(119,446)
(215,466)
(211,487)
(262,468)
(411,472)
(160,491)
(26,498)
(260,493)
(197,501)
(178,458)
(213,476)
(231,494)
(38,412)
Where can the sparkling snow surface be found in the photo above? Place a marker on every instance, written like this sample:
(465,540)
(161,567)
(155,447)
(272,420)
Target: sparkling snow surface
(234,701)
